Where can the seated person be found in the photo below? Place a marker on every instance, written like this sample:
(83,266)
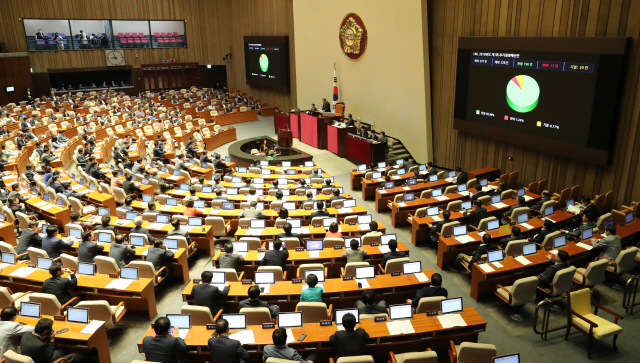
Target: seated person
(190,211)
(137,222)
(87,249)
(333,231)
(368,304)
(119,250)
(205,294)
(104,225)
(355,253)
(312,293)
(52,244)
(219,195)
(336,196)
(546,278)
(287,232)
(349,342)
(436,229)
(192,194)
(320,212)
(609,246)
(166,345)
(252,212)
(280,350)
(393,247)
(253,197)
(544,197)
(28,238)
(225,349)
(11,330)
(160,256)
(127,203)
(373,226)
(521,203)
(58,286)
(41,347)
(485,246)
(229,259)
(277,256)
(254,301)
(588,221)
(429,291)
(478,214)
(515,235)
(547,226)
(151,208)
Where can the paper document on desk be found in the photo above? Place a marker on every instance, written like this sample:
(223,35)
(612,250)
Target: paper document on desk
(441,197)
(47,207)
(40,204)
(173,177)
(244,337)
(497,264)
(264,288)
(487,188)
(486,268)
(76,187)
(526,225)
(156,225)
(92,327)
(314,254)
(345,210)
(22,272)
(384,249)
(187,228)
(464,239)
(555,252)
(396,177)
(500,205)
(527,198)
(584,245)
(214,211)
(382,191)
(260,256)
(119,284)
(400,327)
(181,192)
(88,209)
(165,207)
(402,204)
(523,260)
(549,219)
(364,284)
(436,218)
(182,333)
(243,254)
(573,209)
(464,193)
(253,232)
(451,320)
(406,188)
(146,252)
(421,277)
(290,337)
(301,230)
(450,180)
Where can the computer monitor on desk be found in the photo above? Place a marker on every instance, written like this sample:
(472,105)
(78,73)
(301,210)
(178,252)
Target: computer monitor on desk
(340,313)
(319,274)
(180,321)
(236,321)
(290,320)
(448,306)
(78,315)
(400,311)
(511,358)
(29,309)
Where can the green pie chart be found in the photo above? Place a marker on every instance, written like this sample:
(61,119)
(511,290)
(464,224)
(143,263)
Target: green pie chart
(264,62)
(523,93)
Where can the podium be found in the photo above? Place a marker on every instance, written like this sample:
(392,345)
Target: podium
(285,138)
(337,139)
(365,151)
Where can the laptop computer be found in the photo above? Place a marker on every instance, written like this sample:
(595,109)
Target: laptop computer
(75,233)
(326,222)
(78,315)
(348,203)
(8,258)
(448,306)
(494,224)
(103,211)
(170,243)
(559,241)
(365,219)
(587,233)
(130,215)
(294,222)
(172,202)
(257,224)
(195,221)
(290,320)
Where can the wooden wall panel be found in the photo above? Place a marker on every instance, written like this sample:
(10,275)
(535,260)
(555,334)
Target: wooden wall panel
(451,19)
(213,27)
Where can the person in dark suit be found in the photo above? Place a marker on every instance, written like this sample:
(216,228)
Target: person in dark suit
(349,342)
(160,256)
(545,196)
(158,153)
(437,227)
(287,232)
(349,122)
(279,349)
(588,221)
(546,278)
(104,225)
(462,178)
(52,244)
(21,141)
(432,169)
(254,301)
(277,256)
(363,132)
(320,212)
(127,203)
(205,159)
(119,250)
(129,186)
(225,349)
(515,235)
(393,247)
(485,246)
(176,231)
(58,286)
(547,227)
(589,208)
(205,294)
(40,345)
(521,203)
(87,249)
(336,196)
(28,238)
(326,107)
(435,289)
(477,214)
(166,345)
(368,304)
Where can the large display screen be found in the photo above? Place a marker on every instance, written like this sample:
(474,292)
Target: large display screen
(266,61)
(559,95)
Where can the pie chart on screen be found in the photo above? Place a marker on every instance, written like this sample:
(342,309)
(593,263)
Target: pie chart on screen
(264,62)
(523,93)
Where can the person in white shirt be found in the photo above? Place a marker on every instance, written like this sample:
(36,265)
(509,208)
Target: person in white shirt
(373,226)
(10,330)
(253,197)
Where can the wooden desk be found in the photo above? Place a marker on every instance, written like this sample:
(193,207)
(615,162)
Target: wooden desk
(400,213)
(74,340)
(369,186)
(214,141)
(342,294)
(7,234)
(314,232)
(385,196)
(139,296)
(485,283)
(53,215)
(337,139)
(364,152)
(331,258)
(268,111)
(236,117)
(488,173)
(429,333)
(449,247)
